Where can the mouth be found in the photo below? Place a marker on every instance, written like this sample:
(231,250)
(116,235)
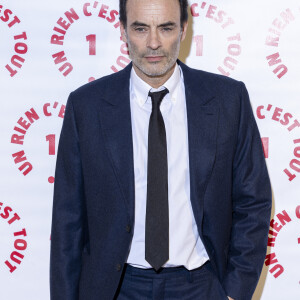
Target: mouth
(154,58)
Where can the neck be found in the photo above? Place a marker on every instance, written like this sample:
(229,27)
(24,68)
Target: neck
(155,81)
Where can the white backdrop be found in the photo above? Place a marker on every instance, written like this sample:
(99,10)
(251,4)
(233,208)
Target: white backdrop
(49,48)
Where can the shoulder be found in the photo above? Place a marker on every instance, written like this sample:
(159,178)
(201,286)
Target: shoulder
(102,87)
(204,86)
(217,82)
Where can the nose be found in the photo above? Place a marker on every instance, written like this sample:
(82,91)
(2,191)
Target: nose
(153,40)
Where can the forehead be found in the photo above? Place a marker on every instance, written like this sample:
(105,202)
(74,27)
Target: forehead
(153,11)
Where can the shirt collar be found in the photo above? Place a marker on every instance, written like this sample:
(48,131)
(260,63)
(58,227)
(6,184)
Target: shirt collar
(141,88)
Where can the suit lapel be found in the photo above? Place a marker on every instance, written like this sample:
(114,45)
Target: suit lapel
(202,116)
(115,119)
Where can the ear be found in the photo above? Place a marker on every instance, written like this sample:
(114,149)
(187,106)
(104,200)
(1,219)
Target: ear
(123,33)
(184,31)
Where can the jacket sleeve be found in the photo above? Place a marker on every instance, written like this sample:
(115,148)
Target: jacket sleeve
(68,213)
(251,202)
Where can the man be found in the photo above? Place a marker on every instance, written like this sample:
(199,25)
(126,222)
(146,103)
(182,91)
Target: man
(161,190)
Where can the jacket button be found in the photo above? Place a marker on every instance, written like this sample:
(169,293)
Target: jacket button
(118,267)
(128,228)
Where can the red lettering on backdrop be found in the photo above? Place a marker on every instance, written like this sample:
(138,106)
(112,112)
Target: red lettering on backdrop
(272,238)
(122,61)
(218,16)
(287,120)
(277,113)
(64,24)
(198,39)
(273,38)
(294,163)
(271,261)
(85,10)
(275,225)
(276,270)
(20,244)
(51,139)
(103,11)
(20,47)
(298,211)
(92,43)
(265,143)
(273,59)
(283,219)
(24,124)
(193,10)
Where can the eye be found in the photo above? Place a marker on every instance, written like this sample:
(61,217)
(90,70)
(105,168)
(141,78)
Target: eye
(166,29)
(140,29)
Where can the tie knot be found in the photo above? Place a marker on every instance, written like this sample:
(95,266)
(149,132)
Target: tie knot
(157,97)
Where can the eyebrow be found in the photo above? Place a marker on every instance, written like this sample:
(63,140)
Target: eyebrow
(137,23)
(167,24)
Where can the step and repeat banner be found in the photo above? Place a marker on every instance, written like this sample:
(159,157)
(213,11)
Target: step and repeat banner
(49,48)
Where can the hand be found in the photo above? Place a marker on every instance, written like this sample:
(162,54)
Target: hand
(230,298)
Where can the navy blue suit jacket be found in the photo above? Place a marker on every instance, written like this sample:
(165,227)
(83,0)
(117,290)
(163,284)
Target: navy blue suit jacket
(93,210)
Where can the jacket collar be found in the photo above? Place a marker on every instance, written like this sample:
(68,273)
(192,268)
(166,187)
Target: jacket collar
(193,80)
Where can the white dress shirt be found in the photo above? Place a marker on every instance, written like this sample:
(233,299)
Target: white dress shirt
(185,246)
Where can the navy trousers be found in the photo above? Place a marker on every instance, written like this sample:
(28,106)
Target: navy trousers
(170,284)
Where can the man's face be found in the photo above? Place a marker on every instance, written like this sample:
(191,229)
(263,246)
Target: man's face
(153,34)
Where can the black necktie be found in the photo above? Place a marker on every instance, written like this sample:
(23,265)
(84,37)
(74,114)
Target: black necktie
(157,211)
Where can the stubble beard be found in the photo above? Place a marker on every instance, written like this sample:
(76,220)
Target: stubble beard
(156,69)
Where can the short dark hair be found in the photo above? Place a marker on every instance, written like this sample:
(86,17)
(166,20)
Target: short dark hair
(183,11)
